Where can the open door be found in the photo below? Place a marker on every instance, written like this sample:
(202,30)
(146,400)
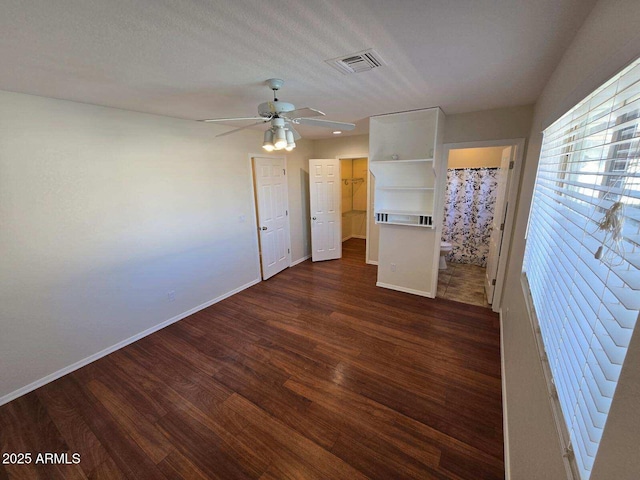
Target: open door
(326,214)
(499,216)
(273,216)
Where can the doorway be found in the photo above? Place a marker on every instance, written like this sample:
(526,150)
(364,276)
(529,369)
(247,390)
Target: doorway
(354,173)
(479,196)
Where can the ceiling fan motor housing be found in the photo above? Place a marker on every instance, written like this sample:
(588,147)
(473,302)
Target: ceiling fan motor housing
(277,123)
(269,109)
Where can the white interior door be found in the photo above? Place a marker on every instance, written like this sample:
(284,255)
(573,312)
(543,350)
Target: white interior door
(499,215)
(273,215)
(326,214)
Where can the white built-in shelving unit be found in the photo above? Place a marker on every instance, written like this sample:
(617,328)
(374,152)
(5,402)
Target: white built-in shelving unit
(402,146)
(405,158)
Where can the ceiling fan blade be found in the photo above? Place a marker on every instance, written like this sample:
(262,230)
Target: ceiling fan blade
(296,135)
(231,119)
(316,122)
(242,128)
(304,112)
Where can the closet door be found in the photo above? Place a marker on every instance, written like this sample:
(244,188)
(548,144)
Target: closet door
(326,214)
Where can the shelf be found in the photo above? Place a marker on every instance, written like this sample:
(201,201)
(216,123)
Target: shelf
(411,219)
(403,149)
(409,135)
(405,212)
(404,197)
(353,213)
(351,181)
(406,224)
(399,173)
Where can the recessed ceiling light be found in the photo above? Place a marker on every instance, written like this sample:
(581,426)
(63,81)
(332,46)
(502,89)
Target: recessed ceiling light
(337,132)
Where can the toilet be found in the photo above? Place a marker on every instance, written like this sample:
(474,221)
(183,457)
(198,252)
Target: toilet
(445,249)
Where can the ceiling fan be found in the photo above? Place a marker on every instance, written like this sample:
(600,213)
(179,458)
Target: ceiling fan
(282,117)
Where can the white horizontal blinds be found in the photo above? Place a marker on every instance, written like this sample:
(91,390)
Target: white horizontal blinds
(587,308)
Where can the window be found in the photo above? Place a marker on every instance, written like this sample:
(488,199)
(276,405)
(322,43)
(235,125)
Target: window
(586,304)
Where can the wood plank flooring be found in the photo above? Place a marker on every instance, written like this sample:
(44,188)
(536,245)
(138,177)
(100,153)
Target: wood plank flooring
(313,374)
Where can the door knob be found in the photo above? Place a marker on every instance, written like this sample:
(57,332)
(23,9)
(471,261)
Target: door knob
(314,218)
(264,228)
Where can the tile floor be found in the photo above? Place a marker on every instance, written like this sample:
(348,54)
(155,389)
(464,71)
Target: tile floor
(462,283)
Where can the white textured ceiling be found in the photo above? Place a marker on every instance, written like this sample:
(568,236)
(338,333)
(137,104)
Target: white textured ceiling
(209,58)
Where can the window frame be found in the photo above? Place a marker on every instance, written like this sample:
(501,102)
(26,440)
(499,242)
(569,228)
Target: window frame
(614,164)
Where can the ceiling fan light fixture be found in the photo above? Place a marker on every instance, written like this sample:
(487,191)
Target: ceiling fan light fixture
(268,141)
(291,143)
(280,138)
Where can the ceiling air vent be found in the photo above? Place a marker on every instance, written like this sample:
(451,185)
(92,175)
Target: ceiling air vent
(357,62)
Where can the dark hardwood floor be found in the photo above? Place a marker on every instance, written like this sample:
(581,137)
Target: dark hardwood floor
(313,374)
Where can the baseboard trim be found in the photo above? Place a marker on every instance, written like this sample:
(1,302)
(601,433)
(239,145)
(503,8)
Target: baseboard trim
(347,238)
(505,423)
(300,260)
(372,262)
(405,290)
(361,237)
(96,356)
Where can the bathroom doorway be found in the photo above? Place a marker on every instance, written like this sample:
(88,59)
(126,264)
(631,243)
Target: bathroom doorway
(354,173)
(476,226)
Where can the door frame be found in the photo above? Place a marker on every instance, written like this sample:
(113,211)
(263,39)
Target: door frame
(511,197)
(256,224)
(367,231)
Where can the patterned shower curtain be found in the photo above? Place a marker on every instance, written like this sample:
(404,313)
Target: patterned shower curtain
(470,200)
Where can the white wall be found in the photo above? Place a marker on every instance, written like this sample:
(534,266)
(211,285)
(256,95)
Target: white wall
(102,213)
(485,157)
(496,124)
(608,40)
(339,146)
